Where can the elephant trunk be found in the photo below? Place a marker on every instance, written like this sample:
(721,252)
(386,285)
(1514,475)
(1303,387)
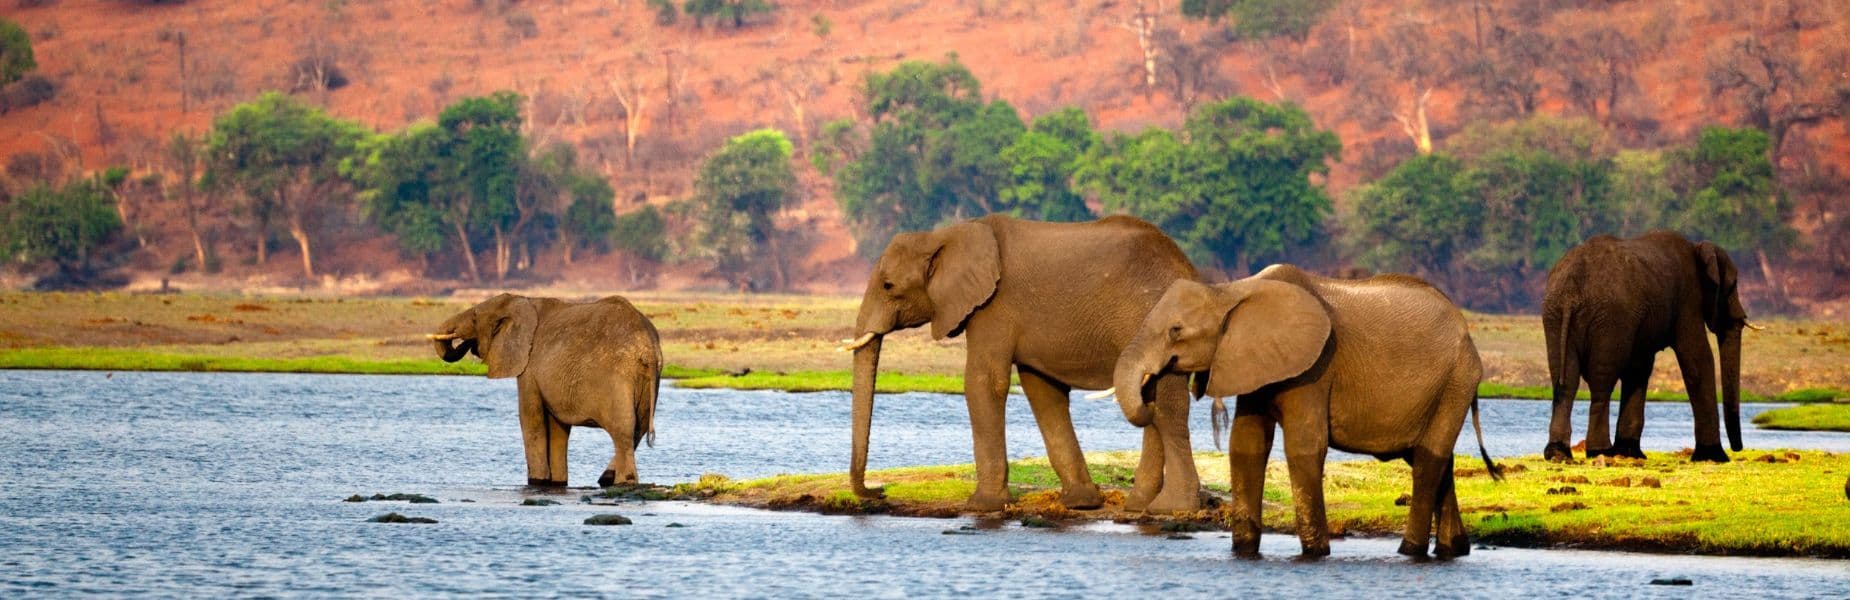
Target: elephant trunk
(451,353)
(1731,385)
(1133,372)
(866,370)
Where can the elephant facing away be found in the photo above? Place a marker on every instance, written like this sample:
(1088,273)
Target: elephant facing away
(1611,306)
(596,364)
(1383,366)
(1055,302)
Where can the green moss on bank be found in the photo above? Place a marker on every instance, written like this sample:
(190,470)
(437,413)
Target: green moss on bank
(1813,417)
(1794,500)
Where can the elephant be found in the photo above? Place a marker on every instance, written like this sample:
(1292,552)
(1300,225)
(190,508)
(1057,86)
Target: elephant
(1610,306)
(1055,301)
(594,364)
(1383,366)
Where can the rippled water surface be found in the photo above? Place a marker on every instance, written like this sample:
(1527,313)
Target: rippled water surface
(222,484)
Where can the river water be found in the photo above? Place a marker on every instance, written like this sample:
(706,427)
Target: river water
(230,484)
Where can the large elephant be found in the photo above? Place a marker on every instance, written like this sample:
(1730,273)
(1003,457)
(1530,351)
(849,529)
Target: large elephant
(1382,366)
(596,364)
(1611,305)
(1056,301)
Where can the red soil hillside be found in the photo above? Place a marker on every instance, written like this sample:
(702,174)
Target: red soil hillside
(121,87)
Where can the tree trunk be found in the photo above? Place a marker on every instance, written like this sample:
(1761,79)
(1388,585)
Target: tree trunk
(1775,287)
(501,255)
(462,241)
(301,239)
(263,231)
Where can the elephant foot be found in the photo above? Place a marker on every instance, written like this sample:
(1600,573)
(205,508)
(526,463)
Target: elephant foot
(1246,547)
(1626,448)
(1558,452)
(1459,546)
(1136,502)
(982,502)
(1315,552)
(866,493)
(1598,452)
(609,478)
(1709,453)
(544,483)
(1408,548)
(1084,498)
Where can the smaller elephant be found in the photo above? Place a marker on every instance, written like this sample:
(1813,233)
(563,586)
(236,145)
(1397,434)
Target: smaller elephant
(1383,366)
(596,364)
(1611,305)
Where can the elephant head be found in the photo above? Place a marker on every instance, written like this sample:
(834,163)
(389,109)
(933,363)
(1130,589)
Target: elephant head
(1235,338)
(499,330)
(939,277)
(1722,312)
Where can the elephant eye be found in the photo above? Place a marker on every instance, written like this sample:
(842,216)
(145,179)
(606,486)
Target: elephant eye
(888,285)
(1175,332)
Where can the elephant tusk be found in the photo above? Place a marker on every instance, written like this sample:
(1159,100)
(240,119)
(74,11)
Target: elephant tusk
(1113,391)
(856,343)
(1751,325)
(441,337)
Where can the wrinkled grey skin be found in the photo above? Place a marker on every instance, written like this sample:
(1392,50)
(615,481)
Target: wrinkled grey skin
(1611,306)
(1054,301)
(1383,366)
(597,364)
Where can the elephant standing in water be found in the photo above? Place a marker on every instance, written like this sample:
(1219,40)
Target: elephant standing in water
(1056,301)
(1382,366)
(1611,305)
(597,364)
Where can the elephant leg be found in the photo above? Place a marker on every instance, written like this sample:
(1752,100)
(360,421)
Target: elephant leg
(535,436)
(1423,504)
(1561,422)
(1305,416)
(1698,366)
(986,383)
(1453,541)
(1249,445)
(619,421)
(1050,400)
(1148,481)
(1181,490)
(1631,412)
(1599,417)
(557,434)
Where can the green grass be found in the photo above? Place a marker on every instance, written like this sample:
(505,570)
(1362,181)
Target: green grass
(1794,500)
(1521,392)
(821,381)
(1811,417)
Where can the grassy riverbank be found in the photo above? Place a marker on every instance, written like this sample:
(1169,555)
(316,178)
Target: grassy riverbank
(710,340)
(1777,503)
(1816,417)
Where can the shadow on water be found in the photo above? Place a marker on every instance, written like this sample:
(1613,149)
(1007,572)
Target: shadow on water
(232,484)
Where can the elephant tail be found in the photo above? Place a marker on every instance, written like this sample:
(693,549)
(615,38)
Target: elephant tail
(1496,473)
(1218,418)
(645,408)
(1560,373)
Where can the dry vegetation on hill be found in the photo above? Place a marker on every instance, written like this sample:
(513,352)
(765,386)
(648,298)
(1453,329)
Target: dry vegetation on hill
(643,101)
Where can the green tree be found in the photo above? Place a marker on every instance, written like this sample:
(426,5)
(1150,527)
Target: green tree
(1420,217)
(1729,196)
(735,11)
(1259,19)
(490,152)
(740,189)
(15,52)
(1238,191)
(642,233)
(1041,164)
(408,189)
(590,217)
(284,157)
(62,225)
(1642,189)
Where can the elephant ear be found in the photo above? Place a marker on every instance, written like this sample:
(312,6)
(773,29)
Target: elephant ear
(1274,332)
(1719,269)
(963,275)
(511,340)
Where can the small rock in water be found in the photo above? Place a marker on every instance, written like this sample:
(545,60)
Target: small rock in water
(1184,526)
(355,498)
(1036,521)
(1672,581)
(398,518)
(539,502)
(608,520)
(1179,536)
(676,525)
(960,532)
(412,498)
